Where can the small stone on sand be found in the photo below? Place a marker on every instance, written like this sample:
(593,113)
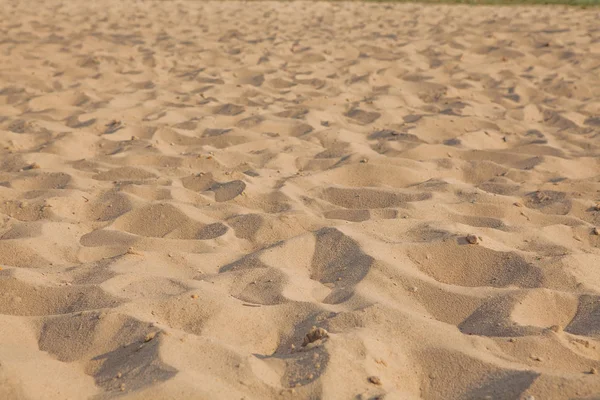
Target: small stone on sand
(149,336)
(472,239)
(313,335)
(375,380)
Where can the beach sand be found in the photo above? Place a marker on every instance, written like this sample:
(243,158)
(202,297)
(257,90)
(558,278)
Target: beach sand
(187,188)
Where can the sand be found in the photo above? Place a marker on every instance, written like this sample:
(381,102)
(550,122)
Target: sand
(207,200)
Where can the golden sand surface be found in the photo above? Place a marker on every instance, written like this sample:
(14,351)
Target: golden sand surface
(187,188)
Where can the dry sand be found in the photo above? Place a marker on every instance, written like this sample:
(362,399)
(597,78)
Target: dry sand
(187,188)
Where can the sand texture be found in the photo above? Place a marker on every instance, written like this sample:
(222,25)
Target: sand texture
(227,200)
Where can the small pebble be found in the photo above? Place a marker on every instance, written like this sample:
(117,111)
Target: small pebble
(364,161)
(596,231)
(150,336)
(194,296)
(314,334)
(593,371)
(375,380)
(472,239)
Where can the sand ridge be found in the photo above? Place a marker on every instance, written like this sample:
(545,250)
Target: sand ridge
(236,200)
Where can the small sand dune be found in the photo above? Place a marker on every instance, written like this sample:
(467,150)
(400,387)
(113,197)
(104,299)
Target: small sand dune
(266,200)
